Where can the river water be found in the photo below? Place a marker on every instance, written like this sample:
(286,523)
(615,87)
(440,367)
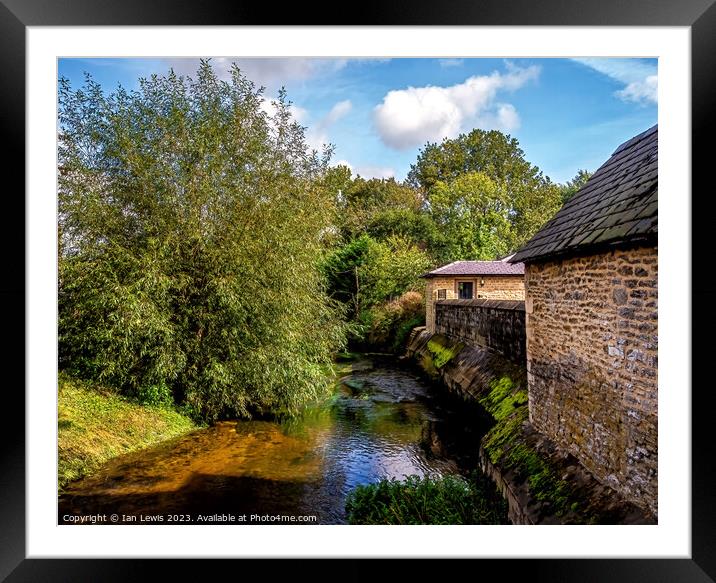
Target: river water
(383,421)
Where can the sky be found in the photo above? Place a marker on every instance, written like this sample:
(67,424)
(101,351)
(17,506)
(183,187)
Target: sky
(567,114)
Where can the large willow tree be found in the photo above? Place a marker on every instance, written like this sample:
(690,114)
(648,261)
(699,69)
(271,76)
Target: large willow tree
(191,220)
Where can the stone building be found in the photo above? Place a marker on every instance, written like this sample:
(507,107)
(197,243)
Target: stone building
(468,280)
(591,322)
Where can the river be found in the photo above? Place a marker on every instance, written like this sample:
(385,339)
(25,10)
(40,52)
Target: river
(383,420)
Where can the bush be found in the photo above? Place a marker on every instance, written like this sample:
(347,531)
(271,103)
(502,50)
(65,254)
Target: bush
(427,500)
(388,324)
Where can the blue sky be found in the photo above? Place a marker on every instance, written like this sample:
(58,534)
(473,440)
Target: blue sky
(567,114)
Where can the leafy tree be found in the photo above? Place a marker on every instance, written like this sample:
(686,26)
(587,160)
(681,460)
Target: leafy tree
(491,152)
(191,224)
(474,213)
(363,199)
(390,268)
(528,201)
(417,227)
(570,188)
(342,267)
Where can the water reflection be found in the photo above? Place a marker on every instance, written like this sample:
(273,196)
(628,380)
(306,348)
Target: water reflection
(382,421)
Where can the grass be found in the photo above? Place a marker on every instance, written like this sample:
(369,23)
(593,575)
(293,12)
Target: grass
(95,424)
(445,500)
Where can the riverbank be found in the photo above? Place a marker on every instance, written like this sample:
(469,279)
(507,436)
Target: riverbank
(382,420)
(95,425)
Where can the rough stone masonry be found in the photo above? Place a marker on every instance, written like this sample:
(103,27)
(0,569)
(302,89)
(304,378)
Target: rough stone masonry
(592,336)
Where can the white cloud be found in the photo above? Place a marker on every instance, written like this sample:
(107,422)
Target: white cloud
(504,117)
(369,171)
(445,63)
(317,134)
(269,72)
(344,163)
(268,106)
(339,110)
(412,116)
(639,78)
(645,91)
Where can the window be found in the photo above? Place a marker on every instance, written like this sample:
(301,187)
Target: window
(442,294)
(464,290)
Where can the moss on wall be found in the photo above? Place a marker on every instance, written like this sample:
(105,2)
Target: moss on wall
(506,447)
(443,350)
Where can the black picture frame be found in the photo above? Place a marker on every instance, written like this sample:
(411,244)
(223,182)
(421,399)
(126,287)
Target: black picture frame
(699,15)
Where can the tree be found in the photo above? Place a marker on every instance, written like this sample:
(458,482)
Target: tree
(571,187)
(363,199)
(390,268)
(529,199)
(192,223)
(491,152)
(473,211)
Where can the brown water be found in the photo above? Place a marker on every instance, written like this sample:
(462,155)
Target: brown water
(382,421)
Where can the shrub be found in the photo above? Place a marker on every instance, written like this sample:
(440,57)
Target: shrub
(390,322)
(427,500)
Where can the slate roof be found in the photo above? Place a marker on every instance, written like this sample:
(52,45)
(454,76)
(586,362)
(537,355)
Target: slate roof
(468,268)
(617,206)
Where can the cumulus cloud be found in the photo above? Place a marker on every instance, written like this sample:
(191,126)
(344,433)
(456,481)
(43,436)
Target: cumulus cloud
(639,77)
(370,171)
(412,116)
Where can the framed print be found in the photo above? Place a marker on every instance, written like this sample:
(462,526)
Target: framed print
(199,365)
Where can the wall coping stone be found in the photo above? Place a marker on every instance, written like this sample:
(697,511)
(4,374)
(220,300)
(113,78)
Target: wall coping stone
(518,305)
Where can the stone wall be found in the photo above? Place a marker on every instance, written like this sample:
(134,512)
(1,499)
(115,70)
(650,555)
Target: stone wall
(592,364)
(495,324)
(495,288)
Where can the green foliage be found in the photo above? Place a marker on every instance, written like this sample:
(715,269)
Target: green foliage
(342,269)
(192,223)
(416,227)
(505,446)
(361,200)
(490,152)
(388,324)
(516,203)
(391,268)
(473,211)
(571,187)
(502,400)
(427,500)
(370,277)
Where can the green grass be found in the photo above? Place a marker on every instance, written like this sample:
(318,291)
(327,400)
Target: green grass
(445,500)
(95,424)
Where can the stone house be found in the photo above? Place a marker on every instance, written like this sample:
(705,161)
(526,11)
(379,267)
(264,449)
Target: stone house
(468,280)
(591,322)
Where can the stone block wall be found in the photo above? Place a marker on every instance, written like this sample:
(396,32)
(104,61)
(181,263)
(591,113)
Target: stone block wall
(592,364)
(495,288)
(495,324)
